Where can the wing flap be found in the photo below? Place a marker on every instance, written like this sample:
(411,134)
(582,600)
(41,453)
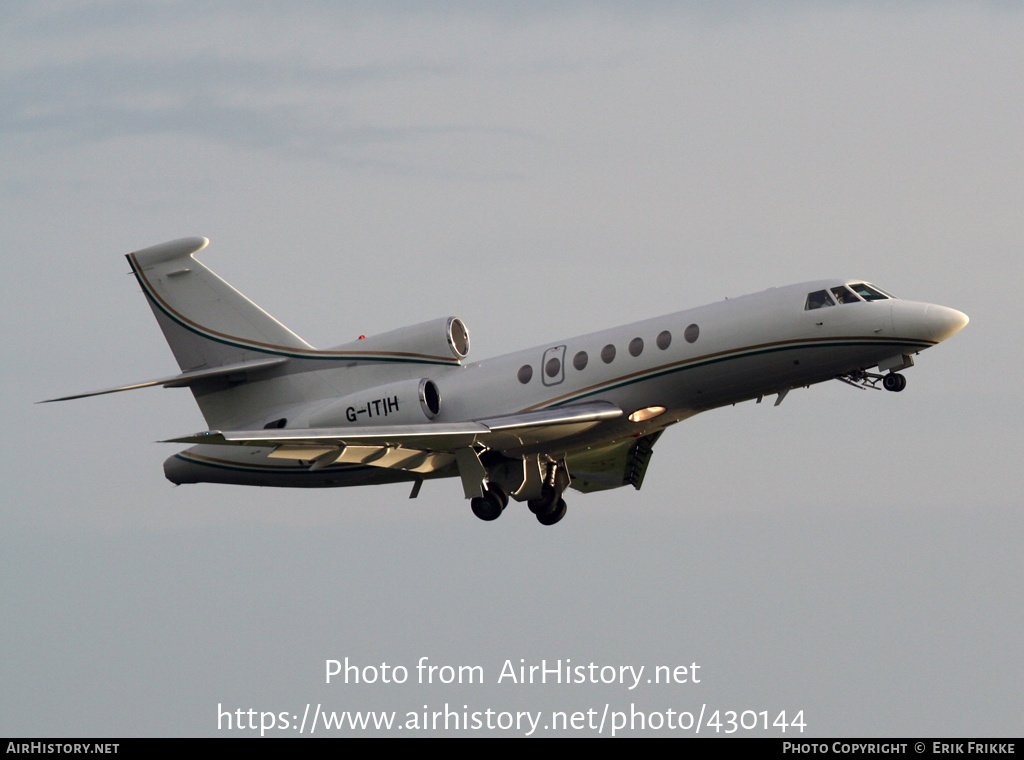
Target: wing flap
(424,437)
(396,458)
(417,448)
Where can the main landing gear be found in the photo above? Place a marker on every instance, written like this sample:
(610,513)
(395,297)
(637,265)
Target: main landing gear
(549,506)
(491,504)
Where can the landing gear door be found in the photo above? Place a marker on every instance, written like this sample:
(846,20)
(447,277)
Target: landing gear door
(552,368)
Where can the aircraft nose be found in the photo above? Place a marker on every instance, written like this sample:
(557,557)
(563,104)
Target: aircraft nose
(928,321)
(945,322)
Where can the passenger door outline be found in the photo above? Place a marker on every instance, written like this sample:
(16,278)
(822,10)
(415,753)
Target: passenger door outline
(556,353)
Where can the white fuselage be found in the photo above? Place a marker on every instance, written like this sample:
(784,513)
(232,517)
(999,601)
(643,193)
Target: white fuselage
(684,363)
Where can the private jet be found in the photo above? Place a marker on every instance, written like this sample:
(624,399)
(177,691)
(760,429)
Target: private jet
(584,412)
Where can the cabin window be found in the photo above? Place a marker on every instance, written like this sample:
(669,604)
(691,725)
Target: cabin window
(691,333)
(525,374)
(608,354)
(553,367)
(868,293)
(580,360)
(844,295)
(636,346)
(819,299)
(664,339)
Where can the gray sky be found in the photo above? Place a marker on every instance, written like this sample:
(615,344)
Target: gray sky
(539,172)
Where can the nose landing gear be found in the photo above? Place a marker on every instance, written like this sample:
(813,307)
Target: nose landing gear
(894,382)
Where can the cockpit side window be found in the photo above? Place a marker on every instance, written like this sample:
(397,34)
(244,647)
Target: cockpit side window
(868,293)
(819,299)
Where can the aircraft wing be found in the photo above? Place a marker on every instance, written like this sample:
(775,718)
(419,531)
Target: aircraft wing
(418,448)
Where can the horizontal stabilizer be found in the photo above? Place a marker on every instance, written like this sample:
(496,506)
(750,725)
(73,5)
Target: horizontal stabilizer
(241,370)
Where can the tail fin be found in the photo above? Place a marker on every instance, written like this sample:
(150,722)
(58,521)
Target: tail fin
(206,322)
(243,366)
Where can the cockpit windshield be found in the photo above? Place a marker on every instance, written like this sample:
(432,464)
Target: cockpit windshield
(844,294)
(869,293)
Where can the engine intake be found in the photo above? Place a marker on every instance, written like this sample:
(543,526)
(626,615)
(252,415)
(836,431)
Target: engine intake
(439,340)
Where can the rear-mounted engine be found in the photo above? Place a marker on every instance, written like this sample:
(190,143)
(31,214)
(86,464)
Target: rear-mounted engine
(439,340)
(405,402)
